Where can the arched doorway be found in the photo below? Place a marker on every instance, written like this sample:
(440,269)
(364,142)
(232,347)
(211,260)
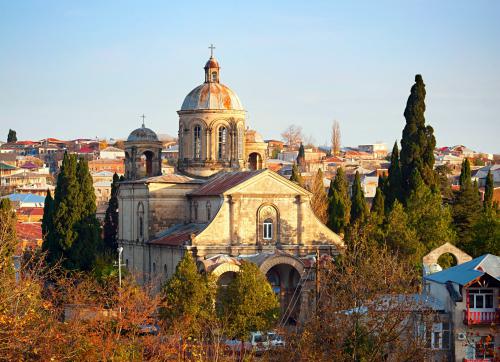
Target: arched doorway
(254,161)
(285,280)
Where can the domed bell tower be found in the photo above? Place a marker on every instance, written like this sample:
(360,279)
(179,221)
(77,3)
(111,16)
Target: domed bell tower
(211,127)
(142,154)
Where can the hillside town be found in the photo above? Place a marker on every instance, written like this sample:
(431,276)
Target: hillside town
(163,198)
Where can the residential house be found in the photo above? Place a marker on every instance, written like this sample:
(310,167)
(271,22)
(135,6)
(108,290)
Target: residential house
(470,293)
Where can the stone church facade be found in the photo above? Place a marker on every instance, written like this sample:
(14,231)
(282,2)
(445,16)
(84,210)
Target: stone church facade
(222,205)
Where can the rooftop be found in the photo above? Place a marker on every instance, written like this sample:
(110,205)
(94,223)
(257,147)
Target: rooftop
(178,235)
(465,273)
(223,182)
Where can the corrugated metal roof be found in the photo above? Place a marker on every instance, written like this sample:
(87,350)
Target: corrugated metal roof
(25,198)
(467,272)
(222,182)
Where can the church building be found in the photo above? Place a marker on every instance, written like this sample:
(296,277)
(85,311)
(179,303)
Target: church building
(222,204)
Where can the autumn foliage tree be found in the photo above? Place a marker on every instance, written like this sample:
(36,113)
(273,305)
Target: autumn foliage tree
(319,200)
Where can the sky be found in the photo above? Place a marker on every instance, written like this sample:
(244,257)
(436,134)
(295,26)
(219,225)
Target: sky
(75,69)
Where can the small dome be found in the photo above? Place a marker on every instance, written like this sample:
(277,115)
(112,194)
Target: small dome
(211,96)
(212,63)
(142,134)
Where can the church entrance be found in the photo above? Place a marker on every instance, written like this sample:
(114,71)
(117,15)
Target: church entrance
(254,161)
(285,279)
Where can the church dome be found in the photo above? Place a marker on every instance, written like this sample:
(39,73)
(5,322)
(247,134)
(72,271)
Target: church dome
(142,134)
(211,96)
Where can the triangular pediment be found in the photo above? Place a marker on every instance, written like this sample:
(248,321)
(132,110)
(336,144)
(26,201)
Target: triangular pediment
(268,182)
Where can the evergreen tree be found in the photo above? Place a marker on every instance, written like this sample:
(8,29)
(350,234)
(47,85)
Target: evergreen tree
(442,173)
(418,142)
(488,191)
(49,244)
(359,208)
(378,204)
(319,200)
(427,216)
(249,302)
(73,229)
(486,233)
(188,299)
(301,157)
(67,208)
(296,176)
(466,209)
(8,240)
(339,204)
(393,185)
(12,136)
(111,217)
(401,237)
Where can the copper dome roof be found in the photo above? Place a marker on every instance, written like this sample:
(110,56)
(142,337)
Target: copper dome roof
(211,96)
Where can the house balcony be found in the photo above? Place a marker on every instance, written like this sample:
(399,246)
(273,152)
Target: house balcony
(478,359)
(478,317)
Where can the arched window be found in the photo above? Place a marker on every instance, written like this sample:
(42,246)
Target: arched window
(209,210)
(140,220)
(267,229)
(214,76)
(195,207)
(240,143)
(222,142)
(197,142)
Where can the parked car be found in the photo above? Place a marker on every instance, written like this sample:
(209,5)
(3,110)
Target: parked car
(275,340)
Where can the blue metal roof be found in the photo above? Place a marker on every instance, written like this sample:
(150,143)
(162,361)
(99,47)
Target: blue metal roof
(467,272)
(26,198)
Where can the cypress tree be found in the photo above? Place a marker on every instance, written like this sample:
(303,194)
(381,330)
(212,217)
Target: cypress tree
(418,142)
(378,204)
(339,204)
(296,176)
(12,136)
(49,244)
(319,200)
(67,208)
(359,208)
(111,217)
(394,183)
(86,193)
(301,157)
(488,191)
(466,209)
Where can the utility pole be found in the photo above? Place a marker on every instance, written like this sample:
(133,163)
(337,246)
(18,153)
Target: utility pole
(317,280)
(119,265)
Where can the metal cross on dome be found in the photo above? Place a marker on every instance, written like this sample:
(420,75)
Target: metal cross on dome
(211,47)
(143,116)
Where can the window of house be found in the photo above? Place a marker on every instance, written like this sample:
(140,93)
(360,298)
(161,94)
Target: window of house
(481,298)
(440,338)
(267,229)
(222,142)
(197,142)
(195,209)
(481,347)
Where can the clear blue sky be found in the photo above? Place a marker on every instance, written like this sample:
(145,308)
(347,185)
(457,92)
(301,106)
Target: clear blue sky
(89,68)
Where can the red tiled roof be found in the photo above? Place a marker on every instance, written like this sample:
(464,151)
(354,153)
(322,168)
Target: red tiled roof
(178,235)
(29,231)
(333,159)
(24,142)
(223,182)
(86,150)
